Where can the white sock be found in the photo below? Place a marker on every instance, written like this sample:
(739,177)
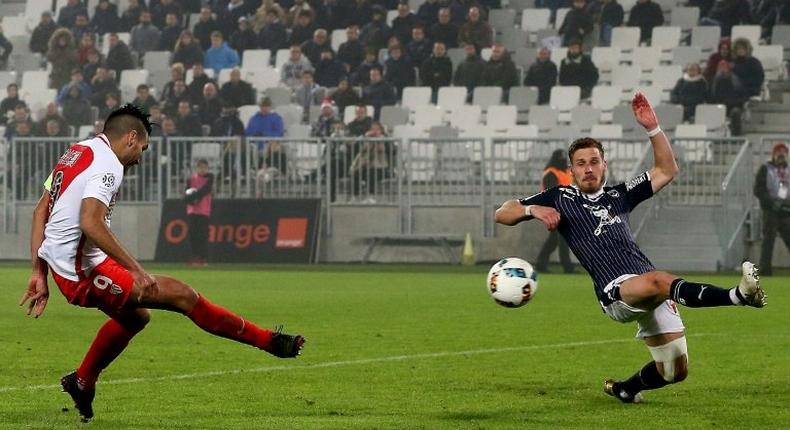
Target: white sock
(734,297)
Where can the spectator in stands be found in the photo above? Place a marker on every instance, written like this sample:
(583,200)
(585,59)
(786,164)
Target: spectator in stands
(76,80)
(747,69)
(168,127)
(39,40)
(76,108)
(86,45)
(170,33)
(273,36)
(373,163)
(145,100)
(211,107)
(308,94)
(723,90)
(199,81)
(475,30)
(82,25)
(205,27)
(177,73)
(187,122)
(344,95)
(273,164)
(296,10)
(20,130)
(555,173)
(156,115)
(324,126)
(243,38)
(690,90)
(469,72)
(703,5)
(5,50)
(578,69)
(160,11)
(428,13)
(611,16)
(62,53)
(105,18)
(769,13)
(10,102)
(265,122)
(445,30)
(361,13)
(437,70)
(52,129)
(500,70)
(102,83)
(119,58)
(68,13)
(420,48)
(21,114)
(292,70)
(92,65)
(399,70)
(52,114)
(724,53)
(261,17)
(378,93)
(542,74)
(228,124)
(727,13)
(459,11)
(144,36)
(404,23)
(772,189)
(361,123)
(577,23)
(170,103)
(313,48)
(237,91)
(187,51)
(131,16)
(220,55)
(98,128)
(333,14)
(645,14)
(351,52)
(198,199)
(111,102)
(329,71)
(376,33)
(304,28)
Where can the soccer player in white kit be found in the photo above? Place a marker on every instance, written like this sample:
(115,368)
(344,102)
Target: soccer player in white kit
(71,238)
(593,219)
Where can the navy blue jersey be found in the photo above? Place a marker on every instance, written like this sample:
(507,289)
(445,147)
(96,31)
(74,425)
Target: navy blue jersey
(595,226)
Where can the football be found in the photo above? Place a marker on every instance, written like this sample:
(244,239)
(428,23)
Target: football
(512,282)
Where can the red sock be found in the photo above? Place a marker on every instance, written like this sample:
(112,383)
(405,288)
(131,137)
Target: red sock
(222,322)
(110,341)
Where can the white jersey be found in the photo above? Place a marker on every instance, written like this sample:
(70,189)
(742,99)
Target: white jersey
(87,169)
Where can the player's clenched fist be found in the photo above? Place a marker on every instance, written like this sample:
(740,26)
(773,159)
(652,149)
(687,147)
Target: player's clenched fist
(548,215)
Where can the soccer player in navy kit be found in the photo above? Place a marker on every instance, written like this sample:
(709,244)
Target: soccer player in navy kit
(593,219)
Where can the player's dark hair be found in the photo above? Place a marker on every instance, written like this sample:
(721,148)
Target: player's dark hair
(584,142)
(125,118)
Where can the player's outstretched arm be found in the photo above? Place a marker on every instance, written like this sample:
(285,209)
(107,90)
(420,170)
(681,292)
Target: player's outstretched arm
(92,214)
(665,167)
(37,292)
(513,212)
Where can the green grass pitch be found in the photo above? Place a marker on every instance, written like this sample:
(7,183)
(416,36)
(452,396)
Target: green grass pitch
(395,348)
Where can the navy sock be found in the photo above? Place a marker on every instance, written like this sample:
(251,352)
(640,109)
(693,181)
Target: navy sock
(647,378)
(696,295)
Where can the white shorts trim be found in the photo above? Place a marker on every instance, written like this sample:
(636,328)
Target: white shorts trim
(665,318)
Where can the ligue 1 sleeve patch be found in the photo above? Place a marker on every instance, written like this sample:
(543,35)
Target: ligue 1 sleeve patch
(108,180)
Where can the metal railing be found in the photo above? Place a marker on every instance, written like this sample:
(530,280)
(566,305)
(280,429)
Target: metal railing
(703,163)
(736,205)
(226,159)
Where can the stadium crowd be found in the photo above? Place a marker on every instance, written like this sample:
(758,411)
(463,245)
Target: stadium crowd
(415,52)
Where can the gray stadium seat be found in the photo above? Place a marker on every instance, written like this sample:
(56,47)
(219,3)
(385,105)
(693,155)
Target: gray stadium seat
(685,55)
(684,17)
(7,78)
(781,36)
(624,116)
(584,117)
(524,57)
(502,19)
(487,96)
(671,115)
(706,37)
(280,96)
(513,38)
(523,98)
(714,117)
(392,116)
(157,60)
(544,117)
(456,56)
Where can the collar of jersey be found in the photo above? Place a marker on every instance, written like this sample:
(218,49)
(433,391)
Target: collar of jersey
(590,196)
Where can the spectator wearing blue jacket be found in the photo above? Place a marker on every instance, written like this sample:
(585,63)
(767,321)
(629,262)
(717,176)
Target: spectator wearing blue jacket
(220,55)
(265,123)
(76,79)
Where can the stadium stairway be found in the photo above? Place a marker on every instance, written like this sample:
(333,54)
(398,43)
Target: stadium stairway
(682,238)
(771,116)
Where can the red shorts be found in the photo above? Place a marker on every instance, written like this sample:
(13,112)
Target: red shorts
(108,286)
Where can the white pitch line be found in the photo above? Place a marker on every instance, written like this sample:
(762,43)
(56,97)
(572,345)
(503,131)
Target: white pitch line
(338,363)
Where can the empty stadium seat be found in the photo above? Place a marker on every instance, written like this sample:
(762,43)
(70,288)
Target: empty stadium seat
(772,59)
(684,17)
(606,98)
(685,55)
(487,96)
(714,117)
(407,131)
(502,18)
(750,32)
(256,58)
(246,112)
(585,116)
(533,20)
(689,145)
(666,76)
(512,38)
(465,117)
(558,54)
(262,78)
(671,115)
(624,115)
(15,26)
(298,131)
(291,114)
(646,57)
(157,60)
(281,57)
(338,38)
(654,94)
(606,57)
(781,36)
(564,98)
(34,80)
(450,97)
(606,131)
(456,55)
(392,116)
(7,78)
(559,16)
(706,37)
(543,117)
(427,116)
(626,77)
(523,98)
(130,79)
(665,37)
(524,57)
(415,96)
(501,117)
(691,131)
(626,38)
(278,95)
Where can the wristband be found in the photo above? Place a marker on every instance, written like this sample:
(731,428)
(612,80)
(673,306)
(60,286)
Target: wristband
(528,210)
(653,132)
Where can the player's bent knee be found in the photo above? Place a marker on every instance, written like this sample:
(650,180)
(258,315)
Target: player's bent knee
(672,358)
(661,283)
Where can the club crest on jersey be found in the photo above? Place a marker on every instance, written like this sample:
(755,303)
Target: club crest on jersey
(613,193)
(108,180)
(70,157)
(604,218)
